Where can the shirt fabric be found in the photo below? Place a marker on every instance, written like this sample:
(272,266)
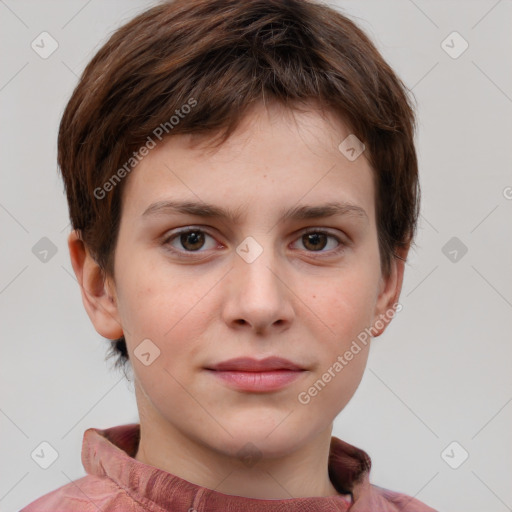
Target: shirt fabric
(117,482)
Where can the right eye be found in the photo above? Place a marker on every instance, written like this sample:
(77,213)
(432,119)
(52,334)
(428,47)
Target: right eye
(190,240)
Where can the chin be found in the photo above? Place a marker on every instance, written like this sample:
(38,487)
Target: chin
(254,440)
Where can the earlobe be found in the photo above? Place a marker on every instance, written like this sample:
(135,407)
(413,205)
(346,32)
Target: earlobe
(389,293)
(98,295)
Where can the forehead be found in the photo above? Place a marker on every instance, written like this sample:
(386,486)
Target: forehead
(275,158)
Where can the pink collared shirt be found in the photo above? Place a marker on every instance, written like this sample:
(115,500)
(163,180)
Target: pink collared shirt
(116,482)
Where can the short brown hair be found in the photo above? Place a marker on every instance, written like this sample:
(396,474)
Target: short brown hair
(221,57)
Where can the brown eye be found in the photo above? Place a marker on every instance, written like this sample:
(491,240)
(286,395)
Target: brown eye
(189,241)
(192,240)
(315,241)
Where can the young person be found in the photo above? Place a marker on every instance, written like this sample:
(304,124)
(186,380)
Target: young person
(243,189)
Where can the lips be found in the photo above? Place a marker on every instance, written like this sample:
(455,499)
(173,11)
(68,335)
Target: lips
(247,364)
(257,376)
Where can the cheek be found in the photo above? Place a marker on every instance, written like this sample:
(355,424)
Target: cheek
(346,306)
(342,386)
(169,310)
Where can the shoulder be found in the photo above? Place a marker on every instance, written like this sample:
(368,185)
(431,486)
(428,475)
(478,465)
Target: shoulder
(87,494)
(399,502)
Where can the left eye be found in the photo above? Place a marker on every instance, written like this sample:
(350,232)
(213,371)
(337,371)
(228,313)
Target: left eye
(315,241)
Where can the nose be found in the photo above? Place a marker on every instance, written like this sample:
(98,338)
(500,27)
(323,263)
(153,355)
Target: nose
(259,297)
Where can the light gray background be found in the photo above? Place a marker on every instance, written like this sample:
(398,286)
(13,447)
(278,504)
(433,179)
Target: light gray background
(440,373)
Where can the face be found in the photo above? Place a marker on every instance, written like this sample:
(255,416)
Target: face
(260,281)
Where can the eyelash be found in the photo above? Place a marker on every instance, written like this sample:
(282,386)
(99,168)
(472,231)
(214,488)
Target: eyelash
(334,252)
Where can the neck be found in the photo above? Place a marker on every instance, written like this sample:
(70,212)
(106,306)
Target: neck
(297,474)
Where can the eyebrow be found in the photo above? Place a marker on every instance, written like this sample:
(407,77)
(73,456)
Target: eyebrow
(302,212)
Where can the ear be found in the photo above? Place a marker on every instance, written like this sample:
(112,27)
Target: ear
(98,293)
(389,293)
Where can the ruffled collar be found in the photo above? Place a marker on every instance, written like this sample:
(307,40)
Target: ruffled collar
(110,453)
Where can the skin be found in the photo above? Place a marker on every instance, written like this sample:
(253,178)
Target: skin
(298,299)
